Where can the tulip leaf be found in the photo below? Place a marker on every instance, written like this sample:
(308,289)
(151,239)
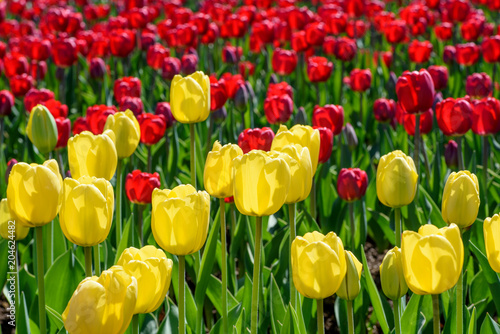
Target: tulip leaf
(277,308)
(55,318)
(490,275)
(472,324)
(171,322)
(127,236)
(213,292)
(489,326)
(4,255)
(287,326)
(415,314)
(233,316)
(22,317)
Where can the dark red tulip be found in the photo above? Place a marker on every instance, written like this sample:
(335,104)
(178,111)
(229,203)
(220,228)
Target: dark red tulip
(63,131)
(326,144)
(491,49)
(479,85)
(467,54)
(336,23)
(280,89)
(278,108)
(137,17)
(299,41)
(264,31)
(57,19)
(163,108)
(155,56)
(241,98)
(360,80)
(122,42)
(457,9)
(420,52)
(345,49)
(186,36)
(234,27)
(6,103)
(486,116)
(415,91)
(96,117)
(64,52)
(232,83)
(35,96)
(133,104)
(231,54)
(426,120)
(449,54)
(284,61)
(14,64)
(147,40)
(38,69)
(382,19)
(329,116)
(127,86)
(36,48)
(80,125)
(20,84)
(471,29)
(171,66)
(211,35)
(299,17)
(201,21)
(246,68)
(189,62)
(384,110)
(56,108)
(256,139)
(451,154)
(97,68)
(315,33)
(329,45)
(444,31)
(454,116)
(218,94)
(10,164)
(357,29)
(319,69)
(439,76)
(352,184)
(152,128)
(139,186)
(396,31)
(3,49)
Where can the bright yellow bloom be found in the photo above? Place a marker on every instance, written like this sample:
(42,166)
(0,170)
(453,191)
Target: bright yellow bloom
(432,258)
(152,270)
(318,264)
(92,155)
(103,304)
(127,132)
(87,210)
(218,175)
(261,183)
(396,179)
(10,227)
(190,97)
(303,135)
(461,199)
(42,129)
(350,286)
(391,275)
(491,229)
(34,192)
(180,219)
(301,175)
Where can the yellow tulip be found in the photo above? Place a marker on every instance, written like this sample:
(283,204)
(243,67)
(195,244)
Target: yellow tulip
(42,129)
(303,135)
(491,229)
(218,175)
(318,264)
(10,227)
(87,210)
(92,155)
(396,179)
(103,304)
(350,286)
(432,258)
(190,97)
(261,183)
(127,132)
(34,192)
(152,270)
(461,199)
(180,219)
(391,275)
(301,175)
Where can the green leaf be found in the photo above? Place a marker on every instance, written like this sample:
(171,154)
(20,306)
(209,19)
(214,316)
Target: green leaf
(472,323)
(416,314)
(489,326)
(490,275)
(126,239)
(23,319)
(278,310)
(232,318)
(213,293)
(55,318)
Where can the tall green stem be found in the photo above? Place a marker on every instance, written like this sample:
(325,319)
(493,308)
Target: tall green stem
(416,155)
(353,226)
(181,303)
(140,213)
(119,201)
(222,214)
(459,303)
(320,316)
(256,275)
(397,222)
(97,260)
(312,204)
(88,261)
(435,314)
(135,324)
(485,174)
(397,321)
(40,278)
(193,156)
(293,293)
(150,158)
(350,317)
(460,154)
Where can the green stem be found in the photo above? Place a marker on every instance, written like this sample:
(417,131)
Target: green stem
(135,324)
(397,222)
(485,174)
(88,261)
(353,225)
(350,317)
(460,154)
(182,308)
(320,316)
(40,278)
(18,291)
(119,201)
(435,314)
(97,260)
(312,204)
(416,155)
(293,293)
(256,275)
(193,156)
(150,158)
(222,214)
(459,302)
(397,320)
(209,134)
(140,213)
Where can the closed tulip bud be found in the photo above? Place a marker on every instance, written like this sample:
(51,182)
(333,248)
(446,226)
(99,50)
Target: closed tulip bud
(392,277)
(42,129)
(432,258)
(97,68)
(449,54)
(415,91)
(319,69)
(461,199)
(318,264)
(451,154)
(479,85)
(218,174)
(241,98)
(491,229)
(302,135)
(300,117)
(153,272)
(190,97)
(352,184)
(360,80)
(439,76)
(396,179)
(350,286)
(34,192)
(63,131)
(103,304)
(92,155)
(10,227)
(467,54)
(220,114)
(6,103)
(133,104)
(299,161)
(163,108)
(352,139)
(284,61)
(384,110)
(180,219)
(127,132)
(261,181)
(170,67)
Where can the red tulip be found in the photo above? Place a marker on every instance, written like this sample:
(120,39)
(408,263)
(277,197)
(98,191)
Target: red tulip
(336,23)
(345,49)
(57,19)
(36,48)
(189,62)
(80,125)
(329,45)
(471,29)
(246,68)
(486,116)
(97,68)
(132,103)
(454,116)
(326,144)
(256,139)
(280,89)
(449,54)
(263,31)
(127,86)
(357,29)
(122,42)
(232,83)
(218,94)
(56,108)
(329,116)
(170,67)
(439,75)
(315,33)
(479,85)
(491,49)
(457,9)
(152,128)
(284,61)
(15,64)
(38,69)
(420,52)
(415,91)
(139,186)
(384,110)
(231,54)
(35,96)
(211,35)
(278,108)
(426,120)
(319,69)
(467,54)
(299,17)
(186,35)
(444,31)
(63,131)
(234,27)
(201,21)
(64,52)
(155,56)
(352,184)
(396,31)
(97,116)
(360,80)
(163,108)
(299,41)
(20,84)
(6,103)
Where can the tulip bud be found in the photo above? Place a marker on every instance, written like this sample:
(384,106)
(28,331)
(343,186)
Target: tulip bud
(391,83)
(10,227)
(451,154)
(491,229)
(163,108)
(10,164)
(218,174)
(97,68)
(352,184)
(42,129)
(220,114)
(189,62)
(460,203)
(6,103)
(350,286)
(391,275)
(351,138)
(449,54)
(300,116)
(241,99)
(273,79)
